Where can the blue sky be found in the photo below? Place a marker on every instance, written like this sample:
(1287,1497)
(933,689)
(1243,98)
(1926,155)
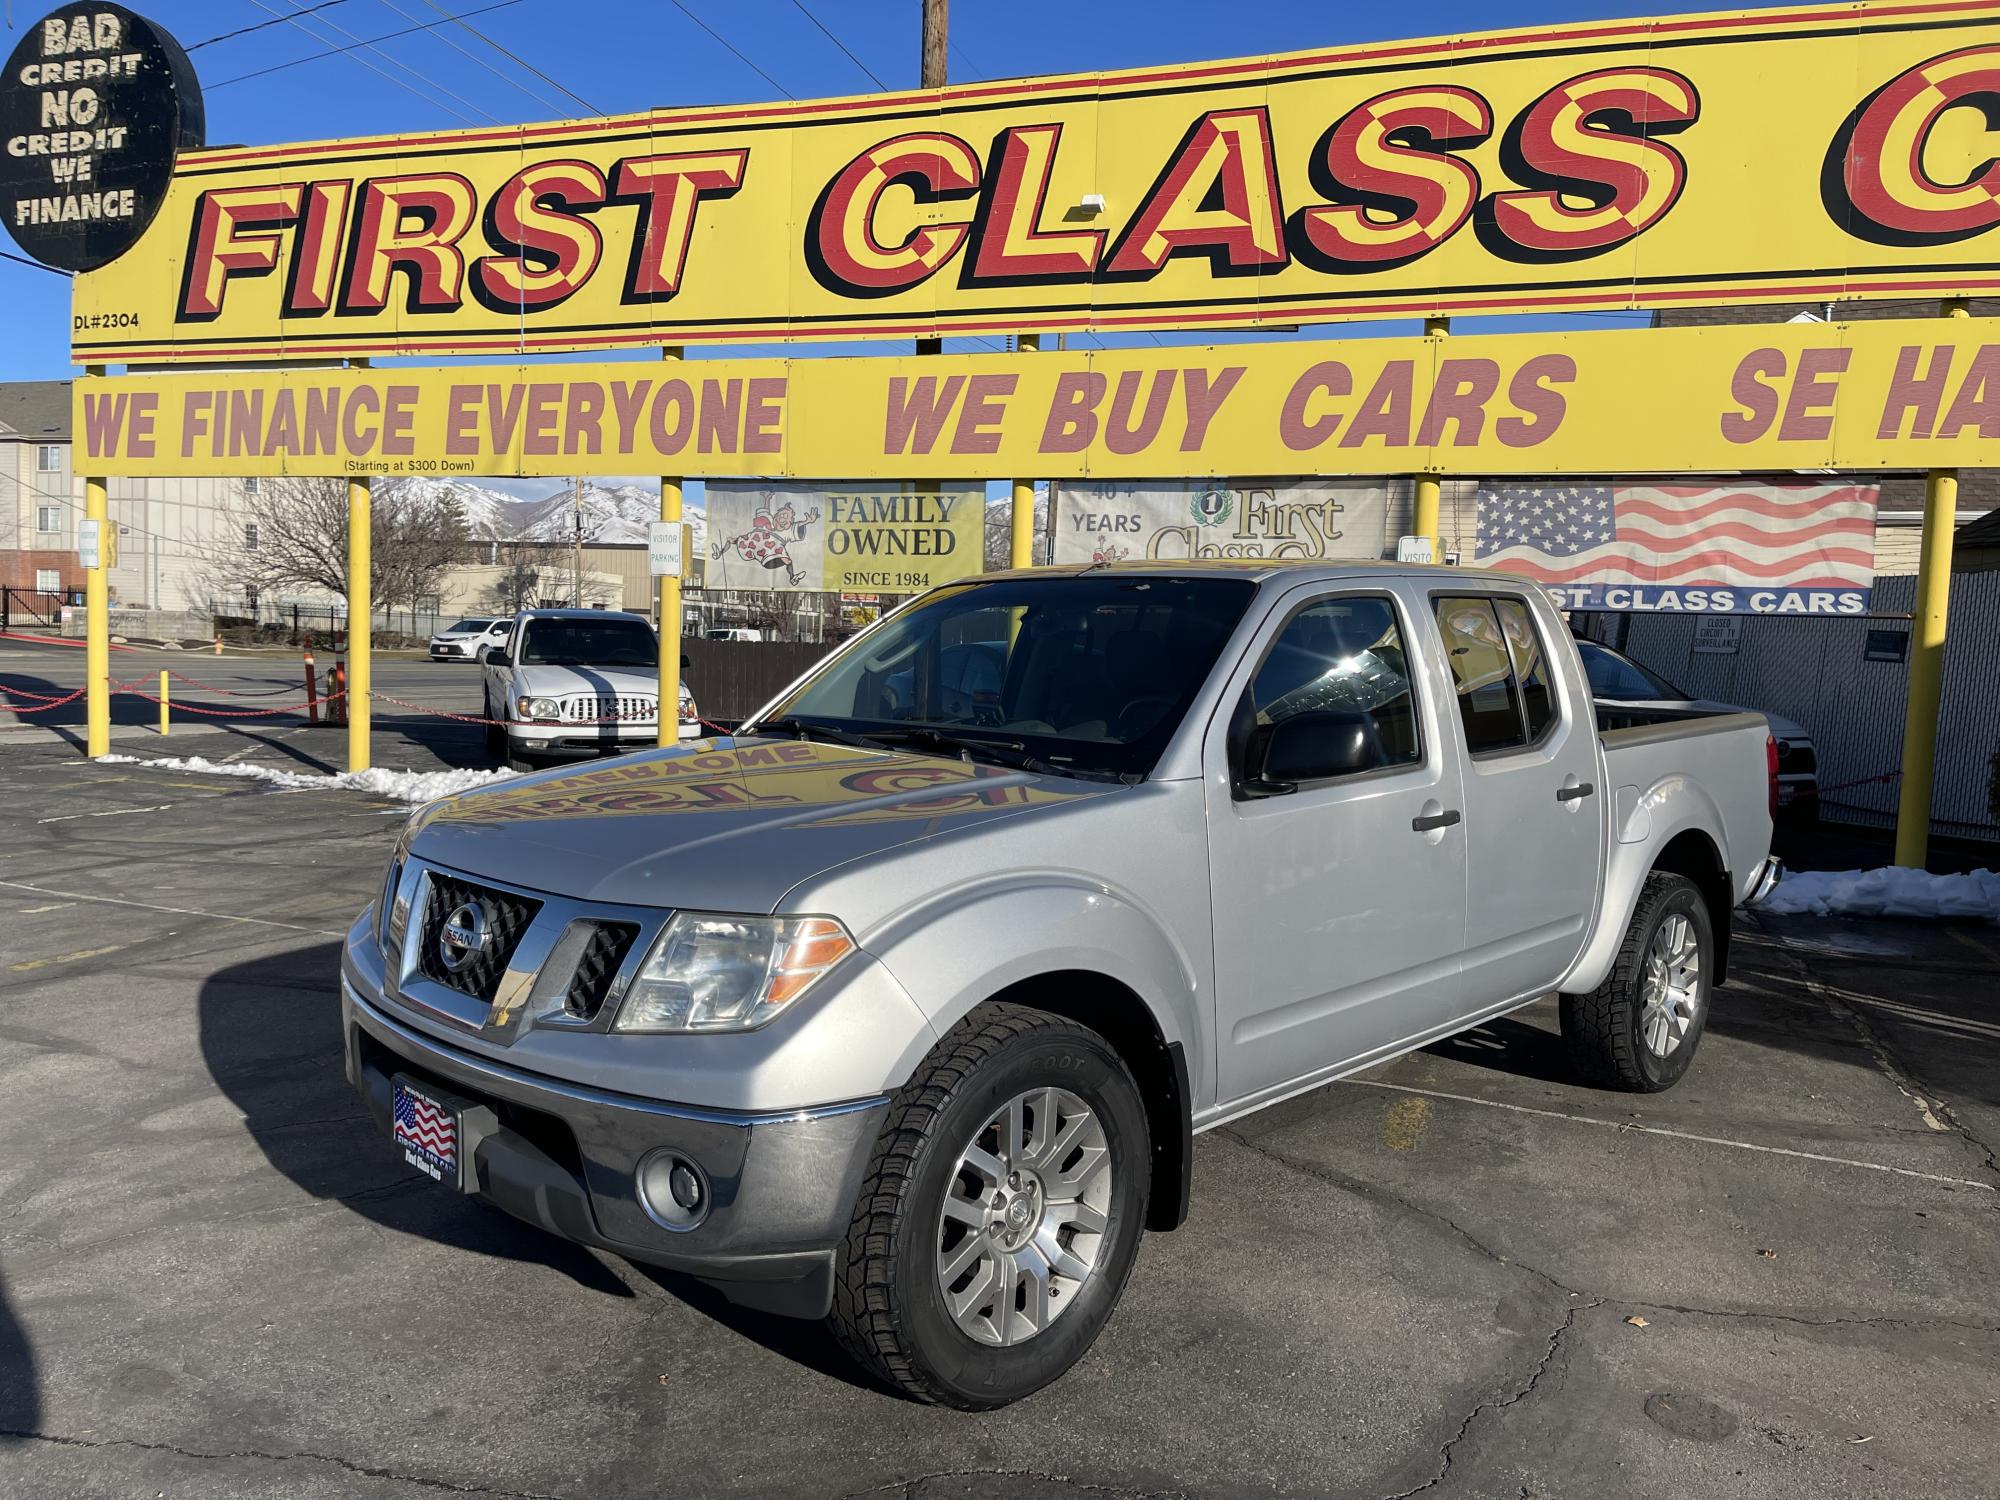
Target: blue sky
(631,54)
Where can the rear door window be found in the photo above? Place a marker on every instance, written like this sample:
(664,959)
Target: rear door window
(1500,669)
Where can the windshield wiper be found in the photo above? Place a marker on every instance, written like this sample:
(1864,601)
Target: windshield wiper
(808,729)
(1012,753)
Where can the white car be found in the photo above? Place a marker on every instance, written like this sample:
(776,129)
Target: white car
(569,683)
(469,640)
(1619,681)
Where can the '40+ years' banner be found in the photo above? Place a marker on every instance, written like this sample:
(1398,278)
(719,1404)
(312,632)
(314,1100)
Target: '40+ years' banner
(886,538)
(1168,519)
(1718,547)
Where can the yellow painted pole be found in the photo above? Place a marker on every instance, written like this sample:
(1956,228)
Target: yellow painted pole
(163,705)
(669,713)
(360,618)
(1927,635)
(1430,486)
(97,618)
(1021,547)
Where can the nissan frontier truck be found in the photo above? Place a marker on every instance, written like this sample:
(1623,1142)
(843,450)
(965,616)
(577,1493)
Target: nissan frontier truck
(901,1007)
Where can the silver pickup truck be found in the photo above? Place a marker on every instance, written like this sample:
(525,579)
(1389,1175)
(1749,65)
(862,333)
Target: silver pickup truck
(902,1006)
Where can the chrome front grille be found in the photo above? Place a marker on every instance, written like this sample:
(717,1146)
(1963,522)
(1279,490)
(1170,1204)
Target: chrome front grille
(602,954)
(504,919)
(584,710)
(543,960)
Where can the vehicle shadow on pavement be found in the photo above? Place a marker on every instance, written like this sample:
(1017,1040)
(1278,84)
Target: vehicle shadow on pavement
(804,1343)
(1505,1045)
(20,1393)
(270,1036)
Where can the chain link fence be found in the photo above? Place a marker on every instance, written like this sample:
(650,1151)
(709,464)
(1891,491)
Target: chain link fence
(1828,676)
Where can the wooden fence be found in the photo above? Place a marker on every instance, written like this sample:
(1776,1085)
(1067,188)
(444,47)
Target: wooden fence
(732,679)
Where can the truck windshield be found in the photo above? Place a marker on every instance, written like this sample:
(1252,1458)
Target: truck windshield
(589,643)
(1085,674)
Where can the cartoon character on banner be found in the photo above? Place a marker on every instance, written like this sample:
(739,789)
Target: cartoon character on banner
(768,542)
(1109,552)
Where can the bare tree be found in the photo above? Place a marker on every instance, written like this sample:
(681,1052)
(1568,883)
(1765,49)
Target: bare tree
(289,536)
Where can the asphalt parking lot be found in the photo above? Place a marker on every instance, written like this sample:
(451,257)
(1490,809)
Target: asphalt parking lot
(1459,1275)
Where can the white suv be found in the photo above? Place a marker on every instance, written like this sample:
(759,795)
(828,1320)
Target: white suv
(469,640)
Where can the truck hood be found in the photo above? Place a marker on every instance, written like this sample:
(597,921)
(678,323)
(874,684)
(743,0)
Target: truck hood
(605,682)
(722,824)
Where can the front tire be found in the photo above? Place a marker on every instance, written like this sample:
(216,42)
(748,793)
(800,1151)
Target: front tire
(1000,1215)
(1638,1031)
(518,761)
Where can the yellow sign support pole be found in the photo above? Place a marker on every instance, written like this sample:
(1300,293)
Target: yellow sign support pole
(97,618)
(1927,633)
(163,703)
(1430,486)
(669,712)
(1021,544)
(360,617)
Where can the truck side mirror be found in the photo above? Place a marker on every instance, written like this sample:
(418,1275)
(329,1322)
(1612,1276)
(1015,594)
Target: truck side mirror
(1310,746)
(685,663)
(498,657)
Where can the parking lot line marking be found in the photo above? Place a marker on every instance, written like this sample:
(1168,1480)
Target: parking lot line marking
(29,911)
(66,958)
(1678,1135)
(176,911)
(109,812)
(1984,950)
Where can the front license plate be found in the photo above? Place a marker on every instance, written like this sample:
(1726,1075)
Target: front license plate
(426,1131)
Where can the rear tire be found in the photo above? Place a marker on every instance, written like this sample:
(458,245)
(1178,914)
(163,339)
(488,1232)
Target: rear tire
(1638,1030)
(969,1284)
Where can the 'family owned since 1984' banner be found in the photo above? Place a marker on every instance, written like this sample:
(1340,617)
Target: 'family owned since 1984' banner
(1721,547)
(1797,154)
(1174,519)
(892,539)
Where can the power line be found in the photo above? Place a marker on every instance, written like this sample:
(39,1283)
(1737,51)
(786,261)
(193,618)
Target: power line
(840,44)
(24,261)
(682,8)
(539,98)
(399,63)
(388,36)
(352,52)
(230,36)
(521,61)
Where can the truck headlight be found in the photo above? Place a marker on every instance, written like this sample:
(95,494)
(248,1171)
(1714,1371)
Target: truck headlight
(540,708)
(709,972)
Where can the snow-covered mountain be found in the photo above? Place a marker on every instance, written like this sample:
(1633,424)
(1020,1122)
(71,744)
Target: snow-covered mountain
(612,515)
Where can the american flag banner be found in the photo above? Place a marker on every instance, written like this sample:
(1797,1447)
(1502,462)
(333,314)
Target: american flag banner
(1735,547)
(427,1133)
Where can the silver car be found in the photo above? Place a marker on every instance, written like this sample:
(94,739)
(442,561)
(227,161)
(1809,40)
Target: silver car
(901,1008)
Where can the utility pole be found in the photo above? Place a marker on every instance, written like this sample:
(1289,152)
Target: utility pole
(937,33)
(576,548)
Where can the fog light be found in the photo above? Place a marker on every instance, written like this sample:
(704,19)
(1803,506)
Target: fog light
(672,1190)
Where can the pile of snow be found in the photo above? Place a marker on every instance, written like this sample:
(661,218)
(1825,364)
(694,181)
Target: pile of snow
(399,786)
(1894,892)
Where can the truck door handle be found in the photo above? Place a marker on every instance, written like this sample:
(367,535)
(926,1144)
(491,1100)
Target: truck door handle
(1572,793)
(1435,820)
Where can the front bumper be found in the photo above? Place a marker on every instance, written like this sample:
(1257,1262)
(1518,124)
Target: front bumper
(589,739)
(450,651)
(781,1186)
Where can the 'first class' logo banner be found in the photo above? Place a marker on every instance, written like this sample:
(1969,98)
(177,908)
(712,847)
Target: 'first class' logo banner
(1803,154)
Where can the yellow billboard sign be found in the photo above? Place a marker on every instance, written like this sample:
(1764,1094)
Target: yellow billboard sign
(900,540)
(1890,394)
(1801,154)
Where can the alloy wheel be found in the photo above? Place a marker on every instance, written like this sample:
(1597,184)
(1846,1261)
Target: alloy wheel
(1024,1217)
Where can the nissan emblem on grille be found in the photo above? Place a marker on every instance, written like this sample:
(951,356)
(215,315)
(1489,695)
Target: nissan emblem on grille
(463,937)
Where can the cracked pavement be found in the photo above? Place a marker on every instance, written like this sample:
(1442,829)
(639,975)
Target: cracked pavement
(1460,1275)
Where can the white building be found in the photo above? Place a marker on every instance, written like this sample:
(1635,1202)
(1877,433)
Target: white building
(172,533)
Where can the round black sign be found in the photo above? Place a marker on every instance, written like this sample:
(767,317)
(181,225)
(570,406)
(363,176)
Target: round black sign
(94,105)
